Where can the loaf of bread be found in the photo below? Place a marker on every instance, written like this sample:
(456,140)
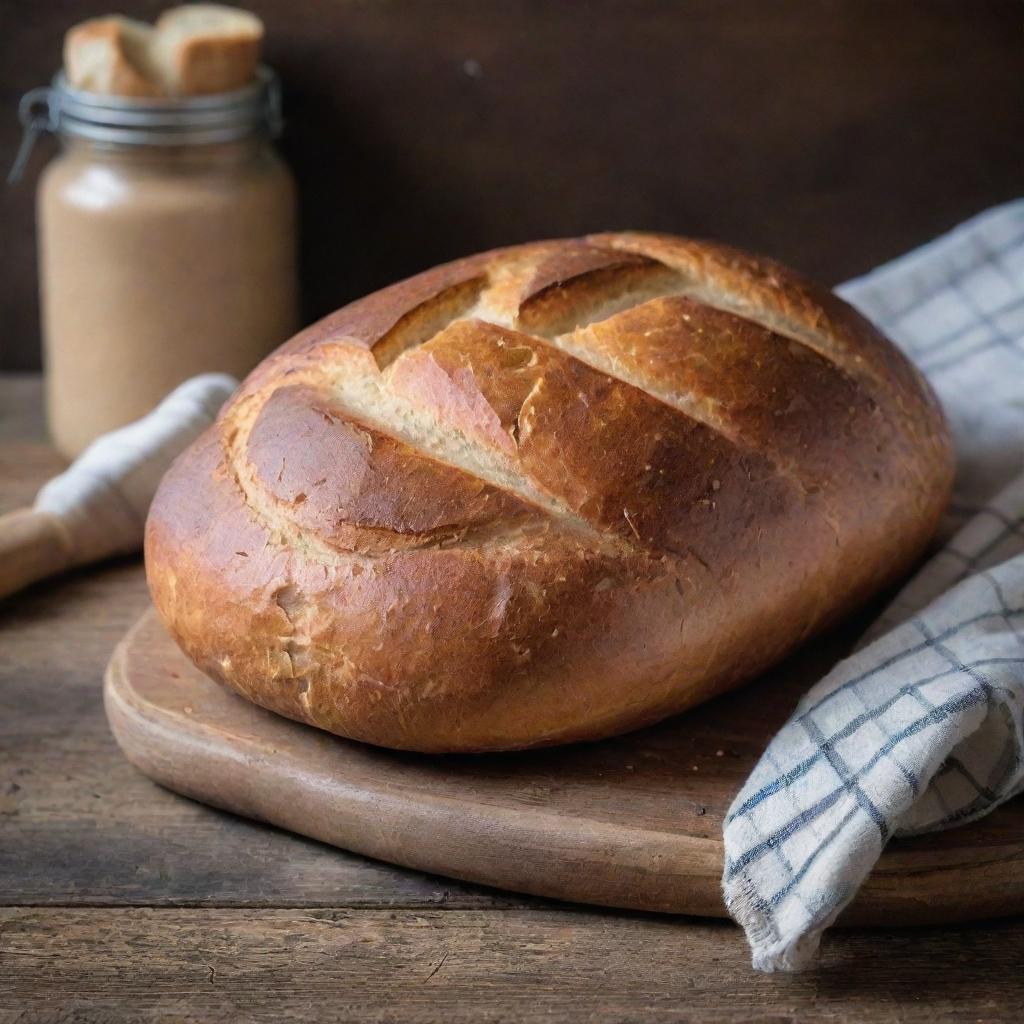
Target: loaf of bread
(546,494)
(194,50)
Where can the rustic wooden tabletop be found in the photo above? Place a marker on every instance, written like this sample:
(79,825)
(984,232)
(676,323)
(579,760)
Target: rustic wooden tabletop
(121,901)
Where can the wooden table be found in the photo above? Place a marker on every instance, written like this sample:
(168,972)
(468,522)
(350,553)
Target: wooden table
(120,901)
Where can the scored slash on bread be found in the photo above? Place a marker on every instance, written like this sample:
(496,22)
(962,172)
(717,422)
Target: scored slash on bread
(195,49)
(546,494)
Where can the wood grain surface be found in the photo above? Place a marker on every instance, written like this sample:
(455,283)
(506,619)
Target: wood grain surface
(833,134)
(632,822)
(473,966)
(122,902)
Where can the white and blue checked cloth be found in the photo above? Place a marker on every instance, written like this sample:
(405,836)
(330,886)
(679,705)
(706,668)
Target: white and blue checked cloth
(922,727)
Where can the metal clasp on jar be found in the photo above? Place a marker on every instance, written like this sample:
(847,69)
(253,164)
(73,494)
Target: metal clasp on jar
(37,114)
(167,121)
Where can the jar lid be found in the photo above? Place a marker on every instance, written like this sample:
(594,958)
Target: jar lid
(166,121)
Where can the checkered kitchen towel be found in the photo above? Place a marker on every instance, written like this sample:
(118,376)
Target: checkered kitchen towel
(922,728)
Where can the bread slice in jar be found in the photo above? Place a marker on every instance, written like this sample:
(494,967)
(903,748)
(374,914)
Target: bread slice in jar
(195,49)
(112,56)
(207,48)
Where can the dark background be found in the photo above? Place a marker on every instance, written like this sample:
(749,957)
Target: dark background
(833,134)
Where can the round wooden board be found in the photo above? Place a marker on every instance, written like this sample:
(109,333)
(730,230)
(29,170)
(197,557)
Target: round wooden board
(633,822)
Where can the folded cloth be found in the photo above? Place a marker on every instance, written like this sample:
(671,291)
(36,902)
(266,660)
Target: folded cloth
(922,728)
(102,499)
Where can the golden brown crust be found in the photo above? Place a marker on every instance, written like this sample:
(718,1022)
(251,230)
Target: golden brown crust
(546,494)
(360,490)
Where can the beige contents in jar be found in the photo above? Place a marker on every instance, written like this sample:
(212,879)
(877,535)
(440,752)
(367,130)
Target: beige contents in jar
(157,265)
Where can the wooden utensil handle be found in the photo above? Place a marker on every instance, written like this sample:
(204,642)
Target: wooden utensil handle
(33,545)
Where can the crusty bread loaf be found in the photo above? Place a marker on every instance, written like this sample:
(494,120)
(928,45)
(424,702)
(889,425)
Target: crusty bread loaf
(546,494)
(194,50)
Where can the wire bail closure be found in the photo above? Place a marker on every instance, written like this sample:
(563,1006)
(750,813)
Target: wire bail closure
(36,114)
(167,121)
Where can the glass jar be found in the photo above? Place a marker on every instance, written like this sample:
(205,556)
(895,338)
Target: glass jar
(167,248)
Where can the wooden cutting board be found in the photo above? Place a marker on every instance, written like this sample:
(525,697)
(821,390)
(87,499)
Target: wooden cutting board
(632,822)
